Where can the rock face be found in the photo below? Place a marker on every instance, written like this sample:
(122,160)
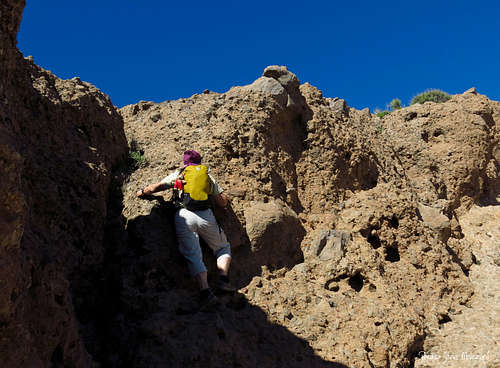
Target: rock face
(450,151)
(351,234)
(375,204)
(58,143)
(275,234)
(470,338)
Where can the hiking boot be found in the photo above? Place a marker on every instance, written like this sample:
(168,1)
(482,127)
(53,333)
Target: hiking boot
(207,300)
(223,284)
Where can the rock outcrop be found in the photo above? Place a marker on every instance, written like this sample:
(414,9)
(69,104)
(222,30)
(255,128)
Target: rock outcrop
(59,141)
(470,337)
(375,205)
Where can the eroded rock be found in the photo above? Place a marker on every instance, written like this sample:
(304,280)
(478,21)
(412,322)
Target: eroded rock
(59,141)
(275,233)
(334,168)
(436,221)
(330,245)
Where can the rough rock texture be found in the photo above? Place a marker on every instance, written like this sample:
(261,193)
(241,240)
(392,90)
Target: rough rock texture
(58,143)
(375,205)
(353,240)
(268,224)
(471,338)
(449,151)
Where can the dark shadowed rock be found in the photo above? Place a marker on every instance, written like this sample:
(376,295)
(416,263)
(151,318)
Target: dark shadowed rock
(59,141)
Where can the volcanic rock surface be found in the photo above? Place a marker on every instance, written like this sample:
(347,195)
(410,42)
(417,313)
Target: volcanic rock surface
(58,143)
(354,243)
(370,257)
(472,337)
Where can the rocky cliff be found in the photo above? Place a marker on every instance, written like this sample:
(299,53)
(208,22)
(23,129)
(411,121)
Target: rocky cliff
(353,237)
(346,227)
(59,141)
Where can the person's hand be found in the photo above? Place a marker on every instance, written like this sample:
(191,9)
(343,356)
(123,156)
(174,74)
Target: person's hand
(222,200)
(140,192)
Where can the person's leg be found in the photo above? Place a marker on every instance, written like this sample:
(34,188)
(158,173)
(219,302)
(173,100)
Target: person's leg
(189,245)
(207,298)
(215,238)
(186,223)
(223,263)
(202,280)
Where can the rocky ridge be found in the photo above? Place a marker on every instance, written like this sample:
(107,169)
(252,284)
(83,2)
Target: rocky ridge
(370,256)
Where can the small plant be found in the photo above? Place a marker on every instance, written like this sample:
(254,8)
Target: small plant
(381,114)
(138,159)
(395,104)
(433,95)
(136,155)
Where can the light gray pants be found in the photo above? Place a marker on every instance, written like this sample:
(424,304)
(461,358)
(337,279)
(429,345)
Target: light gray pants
(189,225)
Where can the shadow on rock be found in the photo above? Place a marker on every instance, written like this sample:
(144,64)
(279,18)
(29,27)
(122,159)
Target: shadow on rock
(235,334)
(152,240)
(156,321)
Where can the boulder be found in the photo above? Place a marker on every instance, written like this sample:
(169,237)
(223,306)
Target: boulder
(281,73)
(330,245)
(337,104)
(270,86)
(290,82)
(275,233)
(435,221)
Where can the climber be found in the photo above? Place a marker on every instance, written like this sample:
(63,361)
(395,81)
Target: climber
(194,219)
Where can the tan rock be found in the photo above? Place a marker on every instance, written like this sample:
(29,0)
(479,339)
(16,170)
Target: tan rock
(330,245)
(275,233)
(270,86)
(436,221)
(367,301)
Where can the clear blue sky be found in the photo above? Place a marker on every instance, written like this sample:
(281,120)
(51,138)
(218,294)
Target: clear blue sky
(367,52)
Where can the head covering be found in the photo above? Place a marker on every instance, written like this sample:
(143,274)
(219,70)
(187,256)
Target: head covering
(191,157)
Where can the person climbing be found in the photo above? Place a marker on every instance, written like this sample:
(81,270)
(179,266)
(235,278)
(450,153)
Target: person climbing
(195,218)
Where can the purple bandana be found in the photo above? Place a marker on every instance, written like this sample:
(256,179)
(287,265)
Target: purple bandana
(191,157)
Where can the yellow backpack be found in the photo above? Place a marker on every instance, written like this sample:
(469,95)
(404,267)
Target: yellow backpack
(197,188)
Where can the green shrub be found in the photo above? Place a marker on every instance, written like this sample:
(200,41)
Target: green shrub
(434,95)
(138,159)
(381,114)
(136,155)
(395,104)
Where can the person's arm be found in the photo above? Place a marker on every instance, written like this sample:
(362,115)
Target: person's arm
(166,183)
(221,199)
(151,188)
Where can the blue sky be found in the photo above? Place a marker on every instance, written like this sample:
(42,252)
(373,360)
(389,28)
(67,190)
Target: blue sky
(367,52)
